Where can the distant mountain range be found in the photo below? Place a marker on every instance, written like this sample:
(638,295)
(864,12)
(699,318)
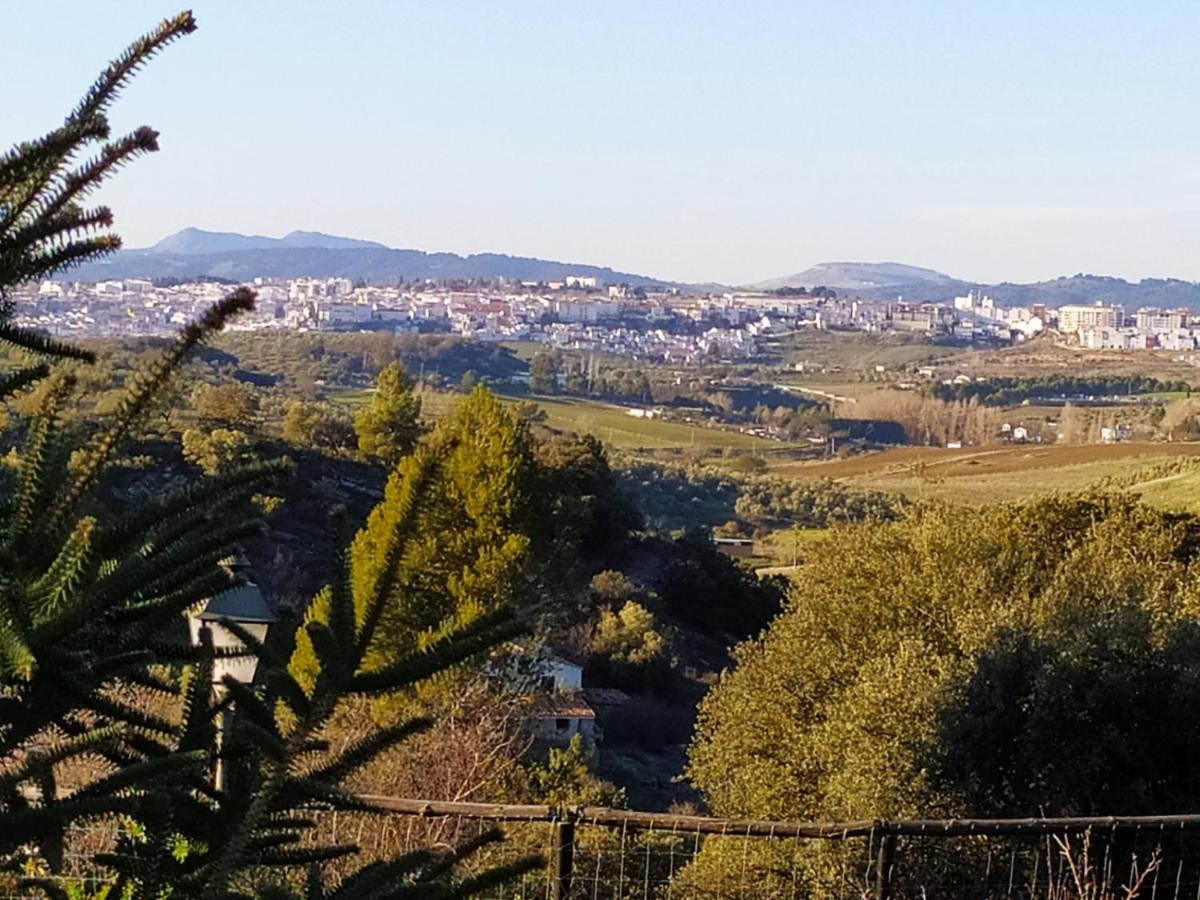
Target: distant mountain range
(887,280)
(195,253)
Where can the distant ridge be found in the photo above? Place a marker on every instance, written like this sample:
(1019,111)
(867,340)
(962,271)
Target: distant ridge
(193,253)
(889,280)
(856,276)
(196,242)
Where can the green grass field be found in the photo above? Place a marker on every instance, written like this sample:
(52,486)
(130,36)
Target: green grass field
(857,352)
(614,426)
(982,475)
(611,424)
(787,546)
(353,398)
(1176,493)
(1166,395)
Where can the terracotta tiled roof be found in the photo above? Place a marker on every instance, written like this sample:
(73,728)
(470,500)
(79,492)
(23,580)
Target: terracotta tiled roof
(564,706)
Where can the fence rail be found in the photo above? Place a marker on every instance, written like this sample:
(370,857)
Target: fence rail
(603,815)
(593,853)
(1008,872)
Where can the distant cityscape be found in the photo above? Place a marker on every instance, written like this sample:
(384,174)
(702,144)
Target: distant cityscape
(582,313)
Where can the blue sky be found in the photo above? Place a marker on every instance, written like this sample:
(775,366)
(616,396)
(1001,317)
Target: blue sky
(691,140)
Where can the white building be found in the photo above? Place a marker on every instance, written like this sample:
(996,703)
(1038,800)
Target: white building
(1155,321)
(586,310)
(1115,339)
(1074,318)
(558,719)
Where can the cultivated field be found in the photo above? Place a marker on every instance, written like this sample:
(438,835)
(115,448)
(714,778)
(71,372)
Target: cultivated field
(1044,356)
(1178,493)
(856,351)
(614,426)
(981,475)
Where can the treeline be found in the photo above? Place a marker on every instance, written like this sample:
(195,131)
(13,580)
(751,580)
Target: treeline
(1011,391)
(812,504)
(689,497)
(313,361)
(927,420)
(818,291)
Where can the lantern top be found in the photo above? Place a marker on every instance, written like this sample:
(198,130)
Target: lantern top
(243,603)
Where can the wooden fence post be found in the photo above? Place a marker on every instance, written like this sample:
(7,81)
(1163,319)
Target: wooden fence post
(562,860)
(884,865)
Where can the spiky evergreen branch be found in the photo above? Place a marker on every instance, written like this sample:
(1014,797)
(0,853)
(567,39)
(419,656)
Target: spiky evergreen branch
(40,345)
(34,462)
(146,388)
(20,166)
(43,228)
(120,71)
(22,378)
(84,603)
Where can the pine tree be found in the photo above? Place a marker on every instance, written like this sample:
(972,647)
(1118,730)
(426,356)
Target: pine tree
(388,428)
(543,372)
(471,551)
(103,716)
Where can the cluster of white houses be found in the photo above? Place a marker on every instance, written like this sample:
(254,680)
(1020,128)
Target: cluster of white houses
(579,313)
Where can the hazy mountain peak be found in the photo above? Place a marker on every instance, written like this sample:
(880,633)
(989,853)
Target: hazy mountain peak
(851,276)
(191,241)
(198,242)
(194,252)
(327,241)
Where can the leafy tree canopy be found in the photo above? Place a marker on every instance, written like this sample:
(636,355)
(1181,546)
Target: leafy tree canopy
(1006,661)
(507,519)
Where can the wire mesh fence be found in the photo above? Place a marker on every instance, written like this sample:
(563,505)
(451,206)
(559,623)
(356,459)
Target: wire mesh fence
(592,853)
(603,853)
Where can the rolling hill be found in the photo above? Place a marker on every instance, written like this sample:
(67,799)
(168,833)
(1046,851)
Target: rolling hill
(888,280)
(856,278)
(193,252)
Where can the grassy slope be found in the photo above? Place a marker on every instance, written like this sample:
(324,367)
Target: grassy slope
(1178,493)
(990,475)
(612,424)
(858,351)
(785,546)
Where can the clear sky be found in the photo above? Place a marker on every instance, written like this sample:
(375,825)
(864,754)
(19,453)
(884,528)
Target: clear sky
(688,140)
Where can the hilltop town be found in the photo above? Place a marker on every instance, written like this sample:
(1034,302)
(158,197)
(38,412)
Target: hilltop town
(581,313)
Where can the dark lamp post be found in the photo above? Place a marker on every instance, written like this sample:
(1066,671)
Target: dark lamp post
(244,605)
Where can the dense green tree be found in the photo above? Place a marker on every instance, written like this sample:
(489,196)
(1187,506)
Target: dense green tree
(543,372)
(714,594)
(230,403)
(582,504)
(628,635)
(314,425)
(389,426)
(471,545)
(1017,660)
(218,450)
(508,518)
